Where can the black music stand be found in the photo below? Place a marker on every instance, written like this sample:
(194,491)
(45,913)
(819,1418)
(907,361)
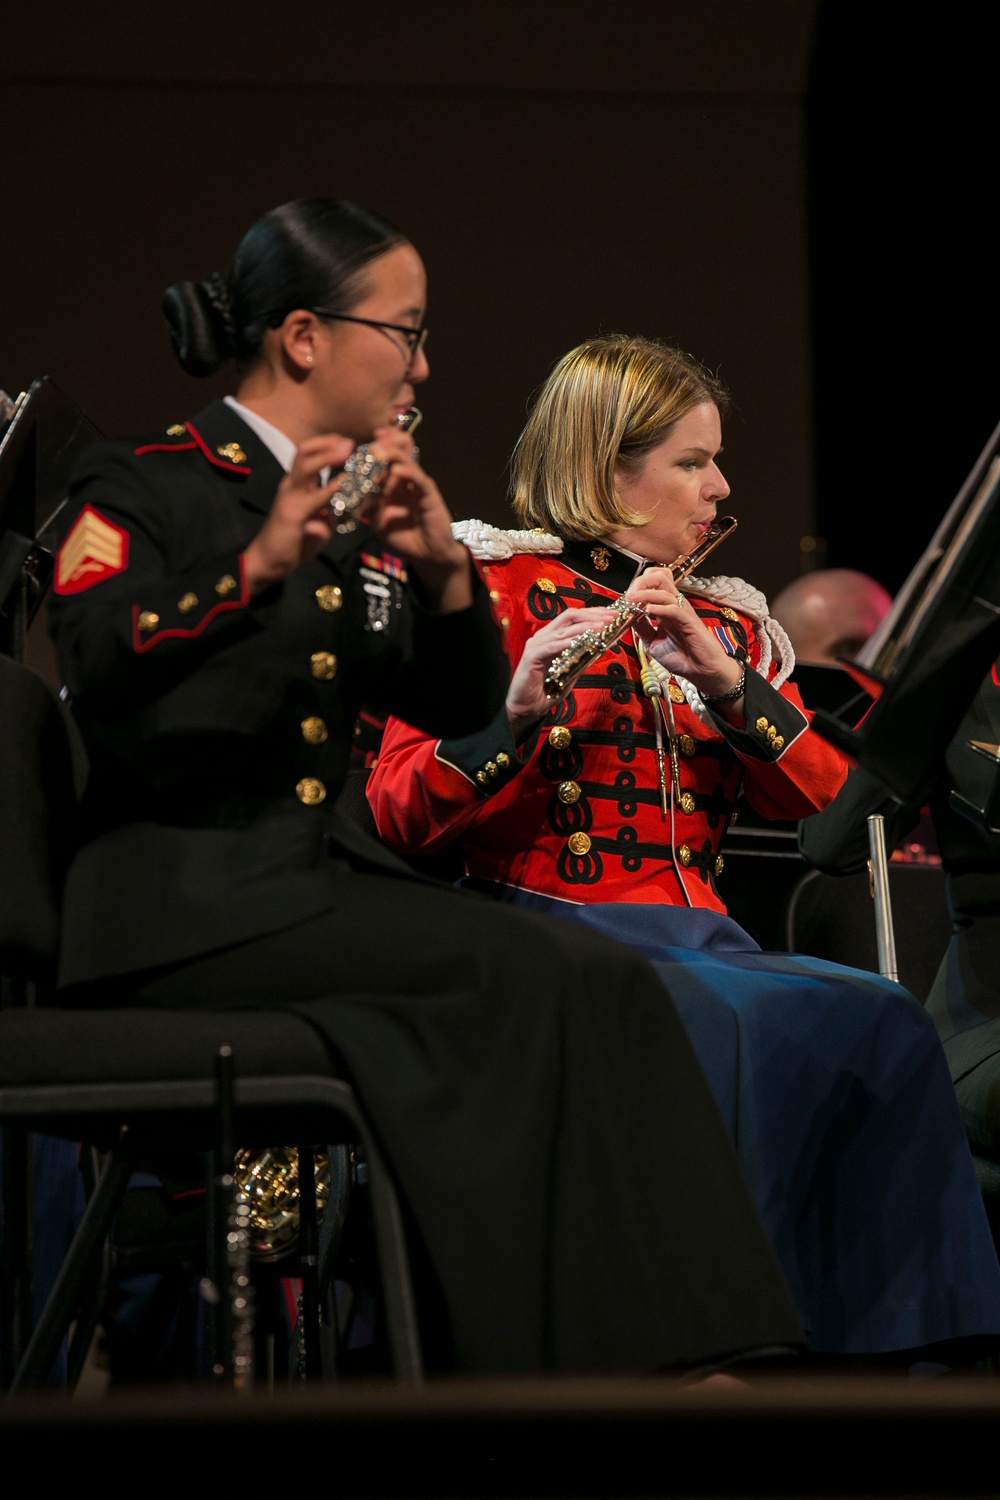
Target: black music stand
(40,439)
(926,661)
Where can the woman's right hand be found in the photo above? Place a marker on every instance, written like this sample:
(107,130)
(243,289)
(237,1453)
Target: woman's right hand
(527,699)
(300,521)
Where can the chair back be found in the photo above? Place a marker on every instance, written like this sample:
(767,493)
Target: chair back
(833,917)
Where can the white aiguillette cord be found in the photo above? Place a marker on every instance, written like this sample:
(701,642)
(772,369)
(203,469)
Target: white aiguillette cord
(663,708)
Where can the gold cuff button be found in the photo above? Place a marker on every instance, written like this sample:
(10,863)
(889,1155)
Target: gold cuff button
(676,693)
(579,843)
(569,792)
(177,430)
(323,665)
(329,598)
(546,585)
(187,603)
(490,768)
(771,731)
(225,585)
(310,790)
(560,737)
(778,742)
(481,777)
(685,744)
(147,620)
(684,854)
(720,864)
(687,802)
(314,731)
(503,759)
(761,725)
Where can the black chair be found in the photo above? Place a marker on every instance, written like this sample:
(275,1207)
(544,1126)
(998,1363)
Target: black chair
(131,1081)
(833,917)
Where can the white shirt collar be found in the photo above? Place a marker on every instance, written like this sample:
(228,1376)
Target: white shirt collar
(272,437)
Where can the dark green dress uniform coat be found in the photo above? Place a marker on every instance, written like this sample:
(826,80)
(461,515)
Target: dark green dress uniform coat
(571,1183)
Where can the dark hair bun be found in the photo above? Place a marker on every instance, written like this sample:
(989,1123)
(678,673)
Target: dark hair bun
(200,322)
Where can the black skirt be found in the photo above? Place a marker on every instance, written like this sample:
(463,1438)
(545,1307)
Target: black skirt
(561,1157)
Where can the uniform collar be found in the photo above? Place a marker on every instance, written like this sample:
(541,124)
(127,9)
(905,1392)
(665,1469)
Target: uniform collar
(258,471)
(603,563)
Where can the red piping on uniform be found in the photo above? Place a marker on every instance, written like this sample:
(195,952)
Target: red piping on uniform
(140,645)
(996,679)
(164,448)
(213,458)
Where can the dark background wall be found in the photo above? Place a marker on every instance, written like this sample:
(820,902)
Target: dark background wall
(563,168)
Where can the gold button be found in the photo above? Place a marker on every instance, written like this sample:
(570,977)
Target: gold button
(310,790)
(684,854)
(481,777)
(569,792)
(546,585)
(761,725)
(686,744)
(720,864)
(727,613)
(329,598)
(579,843)
(494,596)
(148,621)
(676,693)
(687,802)
(314,731)
(187,603)
(235,454)
(177,430)
(323,665)
(490,768)
(225,585)
(771,731)
(734,816)
(503,759)
(560,737)
(778,741)
(505,623)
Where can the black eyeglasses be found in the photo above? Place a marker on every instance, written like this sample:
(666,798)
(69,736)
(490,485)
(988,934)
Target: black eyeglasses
(415,338)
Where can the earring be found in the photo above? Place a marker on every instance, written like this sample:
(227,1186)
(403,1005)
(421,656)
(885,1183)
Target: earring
(309,359)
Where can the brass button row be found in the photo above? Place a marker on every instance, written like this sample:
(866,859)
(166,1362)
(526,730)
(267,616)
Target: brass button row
(323,665)
(314,731)
(774,739)
(493,767)
(311,791)
(148,620)
(226,585)
(329,598)
(187,603)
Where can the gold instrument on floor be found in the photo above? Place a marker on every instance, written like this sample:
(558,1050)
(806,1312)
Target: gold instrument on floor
(269,1178)
(585,648)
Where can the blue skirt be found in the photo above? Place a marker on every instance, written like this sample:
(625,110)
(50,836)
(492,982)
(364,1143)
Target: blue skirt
(835,1088)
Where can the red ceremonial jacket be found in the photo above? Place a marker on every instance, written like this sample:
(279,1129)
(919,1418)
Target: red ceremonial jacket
(574,810)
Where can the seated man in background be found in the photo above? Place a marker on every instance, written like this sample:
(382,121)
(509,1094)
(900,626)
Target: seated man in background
(830,613)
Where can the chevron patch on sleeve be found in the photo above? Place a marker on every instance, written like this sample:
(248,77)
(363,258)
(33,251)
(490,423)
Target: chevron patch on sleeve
(95,549)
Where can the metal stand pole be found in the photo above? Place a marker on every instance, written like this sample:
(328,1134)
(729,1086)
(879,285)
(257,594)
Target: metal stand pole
(879,866)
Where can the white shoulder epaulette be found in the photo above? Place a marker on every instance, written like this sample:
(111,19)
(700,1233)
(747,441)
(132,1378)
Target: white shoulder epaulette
(495,544)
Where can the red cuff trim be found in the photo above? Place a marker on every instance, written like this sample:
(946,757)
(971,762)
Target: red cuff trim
(164,448)
(213,458)
(140,644)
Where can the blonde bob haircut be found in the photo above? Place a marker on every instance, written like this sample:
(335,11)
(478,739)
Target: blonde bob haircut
(607,402)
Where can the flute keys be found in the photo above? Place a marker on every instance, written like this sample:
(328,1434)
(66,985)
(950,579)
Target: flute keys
(569,792)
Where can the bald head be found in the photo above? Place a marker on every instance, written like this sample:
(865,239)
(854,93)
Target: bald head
(830,613)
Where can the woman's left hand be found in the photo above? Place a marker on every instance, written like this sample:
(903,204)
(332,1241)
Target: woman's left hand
(680,641)
(412,518)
